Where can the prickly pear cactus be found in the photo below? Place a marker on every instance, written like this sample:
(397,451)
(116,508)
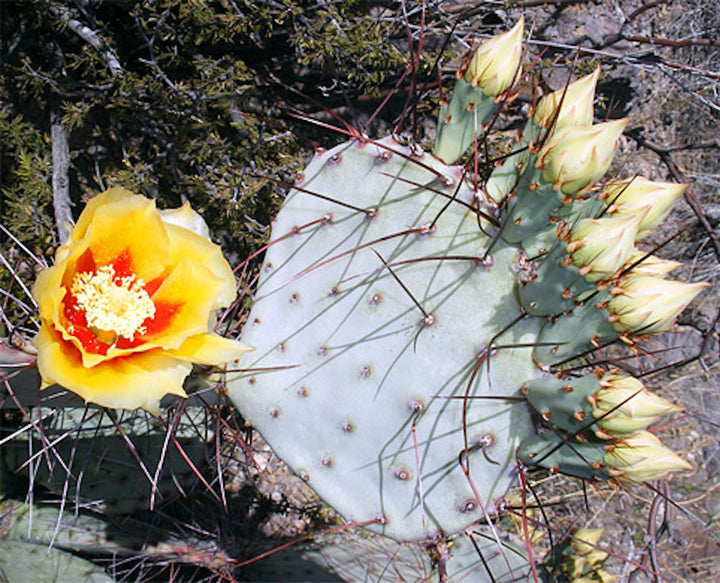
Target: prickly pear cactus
(94,462)
(390,341)
(411,323)
(20,558)
(482,556)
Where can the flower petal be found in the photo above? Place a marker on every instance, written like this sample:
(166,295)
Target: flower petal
(48,291)
(132,226)
(185,302)
(186,218)
(139,248)
(211,350)
(140,380)
(185,244)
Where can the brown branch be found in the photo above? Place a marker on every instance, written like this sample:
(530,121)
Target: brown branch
(536,3)
(699,146)
(685,67)
(665,156)
(62,205)
(688,42)
(638,11)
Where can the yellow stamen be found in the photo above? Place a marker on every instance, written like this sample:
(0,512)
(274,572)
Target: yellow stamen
(115,305)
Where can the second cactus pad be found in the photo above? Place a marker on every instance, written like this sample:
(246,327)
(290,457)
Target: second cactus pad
(390,346)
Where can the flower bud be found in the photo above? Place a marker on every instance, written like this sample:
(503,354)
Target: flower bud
(624,405)
(640,194)
(583,560)
(600,247)
(495,63)
(575,103)
(585,539)
(641,457)
(596,576)
(575,157)
(649,305)
(649,265)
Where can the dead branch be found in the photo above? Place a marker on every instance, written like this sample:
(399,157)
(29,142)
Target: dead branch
(90,37)
(60,183)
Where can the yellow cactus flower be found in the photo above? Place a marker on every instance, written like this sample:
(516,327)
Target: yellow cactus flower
(495,63)
(649,305)
(130,303)
(641,457)
(601,247)
(623,405)
(654,199)
(575,157)
(575,103)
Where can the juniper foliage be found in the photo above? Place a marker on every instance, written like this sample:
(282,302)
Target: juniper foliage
(179,100)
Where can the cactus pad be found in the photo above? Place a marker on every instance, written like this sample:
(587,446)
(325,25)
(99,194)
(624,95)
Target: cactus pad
(389,346)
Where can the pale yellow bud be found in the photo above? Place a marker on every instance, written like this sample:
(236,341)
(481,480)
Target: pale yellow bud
(585,540)
(648,305)
(575,103)
(595,558)
(640,194)
(575,157)
(624,405)
(595,576)
(641,457)
(649,265)
(496,62)
(583,559)
(600,247)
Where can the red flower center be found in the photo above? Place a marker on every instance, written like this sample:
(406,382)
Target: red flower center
(109,306)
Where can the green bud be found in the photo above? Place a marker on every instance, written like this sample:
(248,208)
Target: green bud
(575,157)
(496,62)
(649,265)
